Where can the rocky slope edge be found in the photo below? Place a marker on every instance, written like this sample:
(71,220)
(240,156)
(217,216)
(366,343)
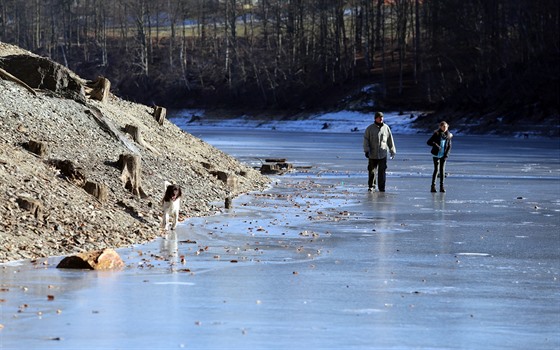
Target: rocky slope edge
(46,208)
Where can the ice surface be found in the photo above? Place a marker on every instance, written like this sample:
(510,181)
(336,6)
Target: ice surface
(318,262)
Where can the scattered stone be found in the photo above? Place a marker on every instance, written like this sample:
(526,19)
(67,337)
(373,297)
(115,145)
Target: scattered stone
(207,165)
(277,168)
(188,241)
(68,169)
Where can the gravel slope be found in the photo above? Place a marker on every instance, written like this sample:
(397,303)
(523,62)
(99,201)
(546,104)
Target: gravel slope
(73,220)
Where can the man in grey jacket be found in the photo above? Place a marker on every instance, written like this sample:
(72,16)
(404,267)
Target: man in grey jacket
(378,141)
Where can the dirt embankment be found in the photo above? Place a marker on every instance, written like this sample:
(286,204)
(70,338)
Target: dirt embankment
(47,209)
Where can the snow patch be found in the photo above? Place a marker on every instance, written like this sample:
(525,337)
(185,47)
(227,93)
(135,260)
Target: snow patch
(333,122)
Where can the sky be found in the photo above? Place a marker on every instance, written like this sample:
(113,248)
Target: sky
(332,122)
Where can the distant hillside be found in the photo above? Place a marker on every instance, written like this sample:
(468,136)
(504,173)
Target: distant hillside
(523,98)
(495,61)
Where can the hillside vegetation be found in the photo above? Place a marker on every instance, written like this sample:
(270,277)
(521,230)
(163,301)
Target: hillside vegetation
(491,61)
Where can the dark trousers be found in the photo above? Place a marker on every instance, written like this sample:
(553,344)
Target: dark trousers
(439,167)
(378,166)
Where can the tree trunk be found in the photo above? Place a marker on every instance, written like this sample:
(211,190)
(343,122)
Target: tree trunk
(417,48)
(131,174)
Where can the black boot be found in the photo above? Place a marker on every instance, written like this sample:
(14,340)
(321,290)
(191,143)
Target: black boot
(441,188)
(433,188)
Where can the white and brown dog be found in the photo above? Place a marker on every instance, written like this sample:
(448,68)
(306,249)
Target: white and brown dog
(171,204)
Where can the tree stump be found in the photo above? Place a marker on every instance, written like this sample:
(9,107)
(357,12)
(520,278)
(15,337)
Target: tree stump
(134,131)
(32,205)
(159,114)
(98,89)
(39,148)
(130,176)
(97,190)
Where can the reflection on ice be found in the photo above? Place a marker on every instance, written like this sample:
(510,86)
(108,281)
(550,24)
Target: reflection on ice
(175,283)
(365,311)
(473,254)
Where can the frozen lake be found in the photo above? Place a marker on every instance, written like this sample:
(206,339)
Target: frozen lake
(317,262)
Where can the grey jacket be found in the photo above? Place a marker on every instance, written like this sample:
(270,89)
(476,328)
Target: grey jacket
(378,140)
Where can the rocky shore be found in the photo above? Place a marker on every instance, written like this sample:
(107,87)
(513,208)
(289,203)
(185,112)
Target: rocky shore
(74,195)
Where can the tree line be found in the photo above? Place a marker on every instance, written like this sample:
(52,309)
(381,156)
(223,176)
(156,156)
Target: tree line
(289,53)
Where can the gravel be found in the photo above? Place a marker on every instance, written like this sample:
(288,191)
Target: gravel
(74,221)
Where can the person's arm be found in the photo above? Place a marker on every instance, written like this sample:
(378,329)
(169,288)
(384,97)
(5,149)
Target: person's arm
(448,148)
(432,140)
(366,143)
(391,144)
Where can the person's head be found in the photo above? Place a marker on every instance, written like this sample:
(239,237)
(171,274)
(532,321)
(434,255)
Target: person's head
(443,126)
(378,117)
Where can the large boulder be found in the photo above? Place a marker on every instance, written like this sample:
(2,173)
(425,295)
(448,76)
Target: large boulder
(42,73)
(106,259)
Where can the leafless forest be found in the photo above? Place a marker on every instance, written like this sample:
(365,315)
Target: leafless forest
(294,54)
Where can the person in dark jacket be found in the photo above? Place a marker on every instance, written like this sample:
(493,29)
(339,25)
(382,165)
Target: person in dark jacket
(441,146)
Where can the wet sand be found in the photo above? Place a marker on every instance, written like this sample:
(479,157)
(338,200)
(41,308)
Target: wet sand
(317,262)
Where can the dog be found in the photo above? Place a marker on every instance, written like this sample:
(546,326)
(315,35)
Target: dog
(171,203)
